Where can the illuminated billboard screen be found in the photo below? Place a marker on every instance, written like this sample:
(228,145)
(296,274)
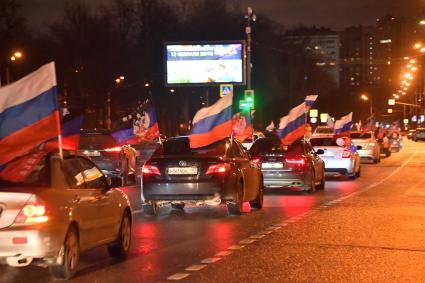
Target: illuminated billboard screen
(204,63)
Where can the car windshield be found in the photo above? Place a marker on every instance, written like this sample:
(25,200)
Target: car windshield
(180,146)
(324,131)
(27,171)
(96,140)
(274,145)
(360,135)
(323,142)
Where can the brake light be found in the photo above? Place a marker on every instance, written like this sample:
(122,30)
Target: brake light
(32,212)
(301,161)
(218,169)
(346,153)
(255,160)
(150,170)
(113,149)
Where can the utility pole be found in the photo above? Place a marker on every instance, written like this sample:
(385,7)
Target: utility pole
(250,17)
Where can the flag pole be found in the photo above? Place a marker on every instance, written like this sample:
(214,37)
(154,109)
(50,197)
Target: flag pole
(58,127)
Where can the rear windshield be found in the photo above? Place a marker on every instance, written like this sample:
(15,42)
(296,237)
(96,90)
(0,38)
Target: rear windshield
(96,140)
(28,171)
(181,146)
(360,135)
(323,142)
(324,131)
(274,146)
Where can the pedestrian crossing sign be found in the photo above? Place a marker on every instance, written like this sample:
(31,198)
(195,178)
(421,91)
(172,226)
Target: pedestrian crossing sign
(226,89)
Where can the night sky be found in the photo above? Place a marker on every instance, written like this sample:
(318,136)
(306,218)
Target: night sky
(335,14)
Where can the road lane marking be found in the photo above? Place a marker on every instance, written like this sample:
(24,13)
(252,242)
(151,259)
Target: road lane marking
(247,241)
(224,253)
(258,236)
(235,247)
(178,276)
(210,260)
(195,267)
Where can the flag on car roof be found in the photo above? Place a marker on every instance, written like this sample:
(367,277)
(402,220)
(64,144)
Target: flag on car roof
(142,127)
(71,133)
(329,122)
(309,101)
(212,124)
(344,124)
(29,113)
(242,127)
(292,126)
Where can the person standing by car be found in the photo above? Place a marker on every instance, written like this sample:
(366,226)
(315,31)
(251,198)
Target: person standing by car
(386,145)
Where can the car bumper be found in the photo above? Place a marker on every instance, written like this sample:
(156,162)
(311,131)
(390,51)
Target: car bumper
(292,180)
(41,242)
(342,166)
(368,153)
(182,191)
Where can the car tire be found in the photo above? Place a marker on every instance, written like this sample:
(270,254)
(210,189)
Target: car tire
(121,247)
(150,208)
(322,183)
(358,173)
(257,203)
(71,255)
(312,188)
(178,205)
(235,206)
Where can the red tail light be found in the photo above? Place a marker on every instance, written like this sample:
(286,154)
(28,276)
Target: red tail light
(255,160)
(32,212)
(113,149)
(301,161)
(150,170)
(346,153)
(218,169)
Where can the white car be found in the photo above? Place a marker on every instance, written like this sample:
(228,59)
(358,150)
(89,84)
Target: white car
(63,207)
(340,155)
(371,150)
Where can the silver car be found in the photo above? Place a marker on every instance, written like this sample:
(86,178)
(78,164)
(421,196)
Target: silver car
(60,208)
(371,150)
(340,155)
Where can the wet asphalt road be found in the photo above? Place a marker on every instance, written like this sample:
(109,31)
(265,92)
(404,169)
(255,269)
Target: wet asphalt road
(367,230)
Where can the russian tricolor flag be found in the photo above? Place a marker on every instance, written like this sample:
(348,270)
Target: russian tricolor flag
(309,101)
(292,126)
(344,124)
(29,113)
(212,124)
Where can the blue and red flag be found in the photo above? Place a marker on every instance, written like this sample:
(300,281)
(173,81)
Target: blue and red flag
(292,126)
(144,127)
(212,124)
(29,113)
(309,101)
(343,125)
(71,133)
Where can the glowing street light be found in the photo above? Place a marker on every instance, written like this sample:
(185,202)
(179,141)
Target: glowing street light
(364,97)
(413,61)
(417,45)
(422,22)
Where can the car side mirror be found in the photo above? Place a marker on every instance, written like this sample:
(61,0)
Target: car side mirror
(320,151)
(359,147)
(113,182)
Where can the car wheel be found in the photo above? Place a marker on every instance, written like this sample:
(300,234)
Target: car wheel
(358,173)
(258,202)
(121,247)
(178,205)
(312,187)
(322,183)
(71,255)
(150,208)
(235,207)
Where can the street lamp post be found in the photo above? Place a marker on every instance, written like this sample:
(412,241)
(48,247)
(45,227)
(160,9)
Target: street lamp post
(17,55)
(366,98)
(250,17)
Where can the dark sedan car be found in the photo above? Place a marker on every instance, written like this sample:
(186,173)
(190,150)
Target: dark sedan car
(297,166)
(116,161)
(419,135)
(220,173)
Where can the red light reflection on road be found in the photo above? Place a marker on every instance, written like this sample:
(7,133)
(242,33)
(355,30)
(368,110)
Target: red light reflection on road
(147,237)
(294,205)
(222,235)
(346,188)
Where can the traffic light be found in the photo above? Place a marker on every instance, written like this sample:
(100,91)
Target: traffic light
(245,105)
(391,101)
(249,97)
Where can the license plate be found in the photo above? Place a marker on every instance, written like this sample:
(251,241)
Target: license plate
(182,170)
(272,165)
(91,153)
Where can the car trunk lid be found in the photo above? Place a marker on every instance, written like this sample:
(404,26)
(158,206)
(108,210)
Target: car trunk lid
(12,200)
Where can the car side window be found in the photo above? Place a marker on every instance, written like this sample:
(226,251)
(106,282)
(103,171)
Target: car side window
(93,177)
(73,173)
(238,151)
